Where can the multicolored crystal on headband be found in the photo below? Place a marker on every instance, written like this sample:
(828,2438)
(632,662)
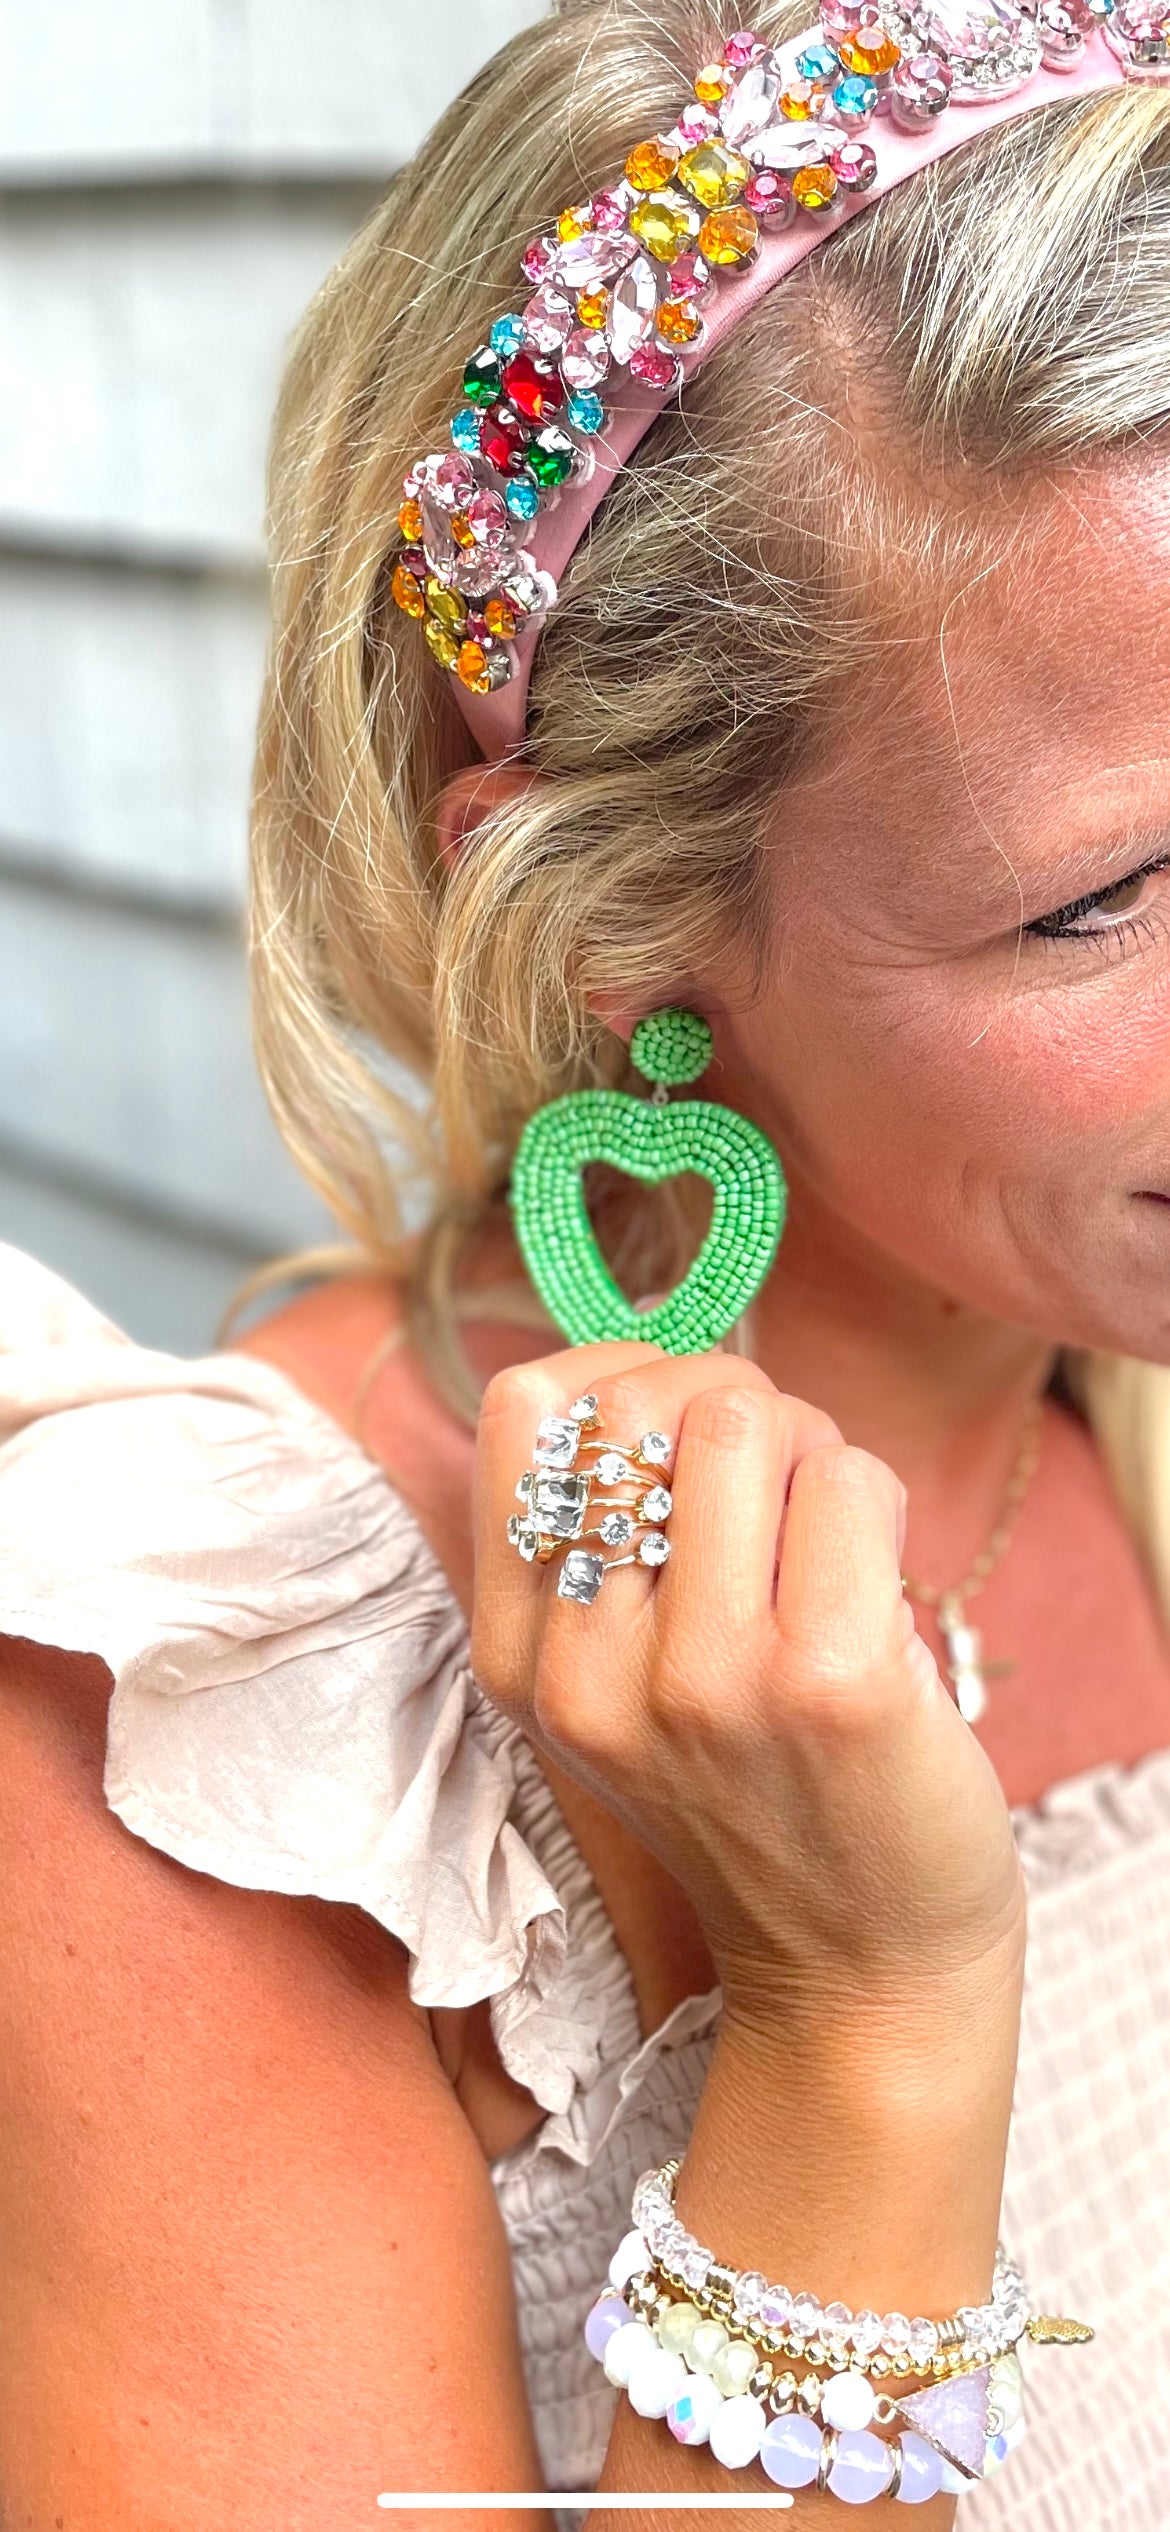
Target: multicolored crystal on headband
(626,291)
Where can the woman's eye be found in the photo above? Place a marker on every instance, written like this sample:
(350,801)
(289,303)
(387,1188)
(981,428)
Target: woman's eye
(1086,916)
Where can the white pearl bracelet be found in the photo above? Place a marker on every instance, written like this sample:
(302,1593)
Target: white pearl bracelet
(821,2333)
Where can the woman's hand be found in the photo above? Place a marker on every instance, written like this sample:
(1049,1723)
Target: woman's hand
(761,1713)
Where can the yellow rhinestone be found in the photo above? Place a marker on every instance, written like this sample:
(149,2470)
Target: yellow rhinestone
(728,237)
(445,605)
(462,530)
(443,644)
(814,187)
(712,84)
(678,323)
(713,173)
(592,307)
(665,223)
(407,592)
(471,666)
(798,101)
(651,164)
(572,223)
(501,619)
(410,520)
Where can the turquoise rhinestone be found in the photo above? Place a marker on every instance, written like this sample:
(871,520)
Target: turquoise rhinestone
(855,97)
(507,336)
(482,378)
(522,499)
(465,431)
(585,411)
(818,61)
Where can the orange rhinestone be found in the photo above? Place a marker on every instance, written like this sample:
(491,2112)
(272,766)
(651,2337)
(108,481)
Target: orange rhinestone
(728,237)
(678,322)
(651,164)
(870,51)
(410,520)
(501,619)
(572,223)
(591,308)
(407,592)
(471,666)
(814,187)
(712,84)
(462,530)
(803,100)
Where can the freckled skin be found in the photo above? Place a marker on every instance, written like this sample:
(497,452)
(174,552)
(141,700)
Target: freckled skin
(984,1108)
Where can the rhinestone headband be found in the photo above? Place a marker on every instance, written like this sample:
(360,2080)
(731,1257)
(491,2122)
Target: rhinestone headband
(630,291)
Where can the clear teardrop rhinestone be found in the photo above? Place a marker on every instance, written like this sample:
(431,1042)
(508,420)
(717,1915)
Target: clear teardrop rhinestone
(632,310)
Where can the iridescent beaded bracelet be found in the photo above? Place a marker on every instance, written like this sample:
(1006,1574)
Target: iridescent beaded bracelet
(799,2325)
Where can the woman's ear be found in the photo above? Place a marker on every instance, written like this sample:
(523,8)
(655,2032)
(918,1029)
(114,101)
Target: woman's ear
(472,796)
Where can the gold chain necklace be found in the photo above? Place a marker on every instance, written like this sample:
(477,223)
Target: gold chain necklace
(968,1671)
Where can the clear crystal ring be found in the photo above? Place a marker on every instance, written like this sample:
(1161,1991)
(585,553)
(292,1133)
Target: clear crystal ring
(583,1486)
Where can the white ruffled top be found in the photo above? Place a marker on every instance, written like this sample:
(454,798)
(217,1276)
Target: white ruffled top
(294,1710)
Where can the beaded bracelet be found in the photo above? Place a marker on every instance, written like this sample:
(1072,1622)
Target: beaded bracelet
(695,2341)
(824,2334)
(822,2441)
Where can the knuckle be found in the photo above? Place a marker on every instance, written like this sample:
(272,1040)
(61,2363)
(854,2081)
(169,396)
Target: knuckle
(852,1471)
(730,1417)
(816,1429)
(516,1390)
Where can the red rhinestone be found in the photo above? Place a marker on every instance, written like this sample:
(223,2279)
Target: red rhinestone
(503,439)
(535,392)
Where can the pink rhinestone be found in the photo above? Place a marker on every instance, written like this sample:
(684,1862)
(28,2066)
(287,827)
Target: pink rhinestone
(478,629)
(689,277)
(453,481)
(412,483)
(536,258)
(742,49)
(843,17)
(585,358)
(770,196)
(608,211)
(488,518)
(694,125)
(655,369)
(548,319)
(854,165)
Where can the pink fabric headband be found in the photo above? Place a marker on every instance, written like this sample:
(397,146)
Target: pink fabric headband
(631,291)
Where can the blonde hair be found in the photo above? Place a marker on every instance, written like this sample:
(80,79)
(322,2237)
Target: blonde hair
(1003,313)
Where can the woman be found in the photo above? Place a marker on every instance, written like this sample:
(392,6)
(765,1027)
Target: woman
(849,733)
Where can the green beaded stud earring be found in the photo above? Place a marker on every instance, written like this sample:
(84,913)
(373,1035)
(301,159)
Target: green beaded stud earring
(650,1139)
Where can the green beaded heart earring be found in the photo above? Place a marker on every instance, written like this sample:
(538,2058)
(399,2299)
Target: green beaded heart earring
(651,1139)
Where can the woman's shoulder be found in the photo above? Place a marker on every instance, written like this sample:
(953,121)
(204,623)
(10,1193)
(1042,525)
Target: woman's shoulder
(211,1505)
(292,1705)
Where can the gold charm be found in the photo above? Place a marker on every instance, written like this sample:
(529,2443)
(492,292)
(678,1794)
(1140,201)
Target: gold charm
(1049,2331)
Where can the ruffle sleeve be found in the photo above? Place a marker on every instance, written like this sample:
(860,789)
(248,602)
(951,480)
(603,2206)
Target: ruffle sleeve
(292,1708)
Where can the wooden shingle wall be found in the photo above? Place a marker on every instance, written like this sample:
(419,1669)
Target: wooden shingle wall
(175,178)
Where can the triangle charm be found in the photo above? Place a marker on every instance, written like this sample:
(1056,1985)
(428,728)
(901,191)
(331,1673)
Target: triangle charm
(953,2417)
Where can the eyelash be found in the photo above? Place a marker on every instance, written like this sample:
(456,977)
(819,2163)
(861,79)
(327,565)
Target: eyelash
(1063,924)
